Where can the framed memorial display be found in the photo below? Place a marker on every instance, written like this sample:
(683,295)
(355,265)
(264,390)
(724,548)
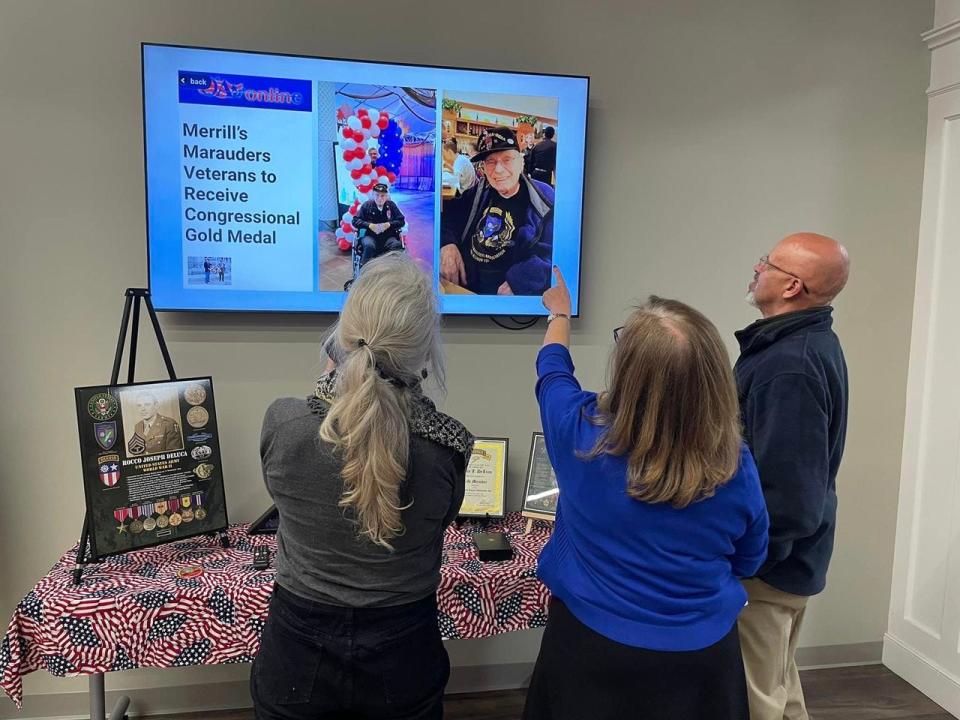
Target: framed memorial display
(541,492)
(152,471)
(486,482)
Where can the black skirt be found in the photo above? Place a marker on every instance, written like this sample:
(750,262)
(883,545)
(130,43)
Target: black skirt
(319,661)
(582,675)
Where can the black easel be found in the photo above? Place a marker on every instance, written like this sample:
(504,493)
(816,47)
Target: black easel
(134,296)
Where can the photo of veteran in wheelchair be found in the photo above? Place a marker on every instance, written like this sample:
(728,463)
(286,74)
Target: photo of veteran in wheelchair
(379,224)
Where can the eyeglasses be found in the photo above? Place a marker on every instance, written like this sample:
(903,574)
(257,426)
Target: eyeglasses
(490,164)
(765,260)
(616,333)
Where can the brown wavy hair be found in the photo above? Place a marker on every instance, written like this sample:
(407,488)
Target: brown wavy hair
(671,406)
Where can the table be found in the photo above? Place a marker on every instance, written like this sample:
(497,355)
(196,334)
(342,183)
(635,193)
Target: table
(133,610)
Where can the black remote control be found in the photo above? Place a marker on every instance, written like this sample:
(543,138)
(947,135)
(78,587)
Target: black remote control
(261,557)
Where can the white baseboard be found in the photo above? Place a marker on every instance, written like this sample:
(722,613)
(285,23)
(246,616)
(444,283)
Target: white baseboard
(929,678)
(230,695)
(828,656)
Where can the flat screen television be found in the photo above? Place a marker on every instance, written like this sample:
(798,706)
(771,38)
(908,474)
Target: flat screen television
(271,179)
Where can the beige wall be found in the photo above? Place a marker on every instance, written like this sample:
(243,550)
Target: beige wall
(715,128)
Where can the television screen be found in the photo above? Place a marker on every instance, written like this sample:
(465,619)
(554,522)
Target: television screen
(272,179)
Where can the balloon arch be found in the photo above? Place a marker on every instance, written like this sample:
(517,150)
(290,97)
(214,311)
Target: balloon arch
(365,130)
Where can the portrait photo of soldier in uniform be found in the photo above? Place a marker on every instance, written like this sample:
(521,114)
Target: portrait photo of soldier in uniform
(151,420)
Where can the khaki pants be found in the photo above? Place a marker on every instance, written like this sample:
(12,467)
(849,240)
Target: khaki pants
(769,628)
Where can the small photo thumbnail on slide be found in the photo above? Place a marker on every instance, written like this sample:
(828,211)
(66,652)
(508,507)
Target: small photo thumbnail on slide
(498,188)
(214,271)
(379,143)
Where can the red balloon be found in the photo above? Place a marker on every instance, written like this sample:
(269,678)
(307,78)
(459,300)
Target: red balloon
(365,121)
(366,169)
(383,122)
(347,227)
(392,177)
(356,174)
(344,244)
(381,171)
(352,210)
(347,155)
(363,112)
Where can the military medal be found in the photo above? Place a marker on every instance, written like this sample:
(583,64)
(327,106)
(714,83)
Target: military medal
(189,571)
(187,515)
(163,521)
(195,394)
(200,513)
(204,470)
(160,507)
(201,453)
(136,527)
(175,519)
(121,514)
(197,417)
(149,524)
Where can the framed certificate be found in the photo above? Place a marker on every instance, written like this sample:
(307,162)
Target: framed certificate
(151,463)
(541,492)
(486,484)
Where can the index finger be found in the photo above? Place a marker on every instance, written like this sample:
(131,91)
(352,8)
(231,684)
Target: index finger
(559,277)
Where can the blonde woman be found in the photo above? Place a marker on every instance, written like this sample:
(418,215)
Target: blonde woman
(660,514)
(366,475)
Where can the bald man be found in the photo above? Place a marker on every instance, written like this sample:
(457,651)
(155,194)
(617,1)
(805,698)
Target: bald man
(792,382)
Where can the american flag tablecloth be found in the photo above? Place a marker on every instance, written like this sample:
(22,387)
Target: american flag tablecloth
(135,610)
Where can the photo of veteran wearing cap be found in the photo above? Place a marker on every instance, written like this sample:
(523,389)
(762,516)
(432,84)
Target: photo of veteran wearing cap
(378,224)
(497,237)
(154,431)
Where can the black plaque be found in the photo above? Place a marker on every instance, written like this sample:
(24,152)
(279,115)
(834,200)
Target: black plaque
(152,471)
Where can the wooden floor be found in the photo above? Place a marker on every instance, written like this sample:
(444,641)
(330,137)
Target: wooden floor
(870,692)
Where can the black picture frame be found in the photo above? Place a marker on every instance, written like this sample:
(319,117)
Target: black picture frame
(535,479)
(266,524)
(503,497)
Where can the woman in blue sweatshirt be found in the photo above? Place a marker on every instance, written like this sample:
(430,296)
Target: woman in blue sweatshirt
(660,513)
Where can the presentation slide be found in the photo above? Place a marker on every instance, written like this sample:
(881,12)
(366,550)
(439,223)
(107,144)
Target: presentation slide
(272,179)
